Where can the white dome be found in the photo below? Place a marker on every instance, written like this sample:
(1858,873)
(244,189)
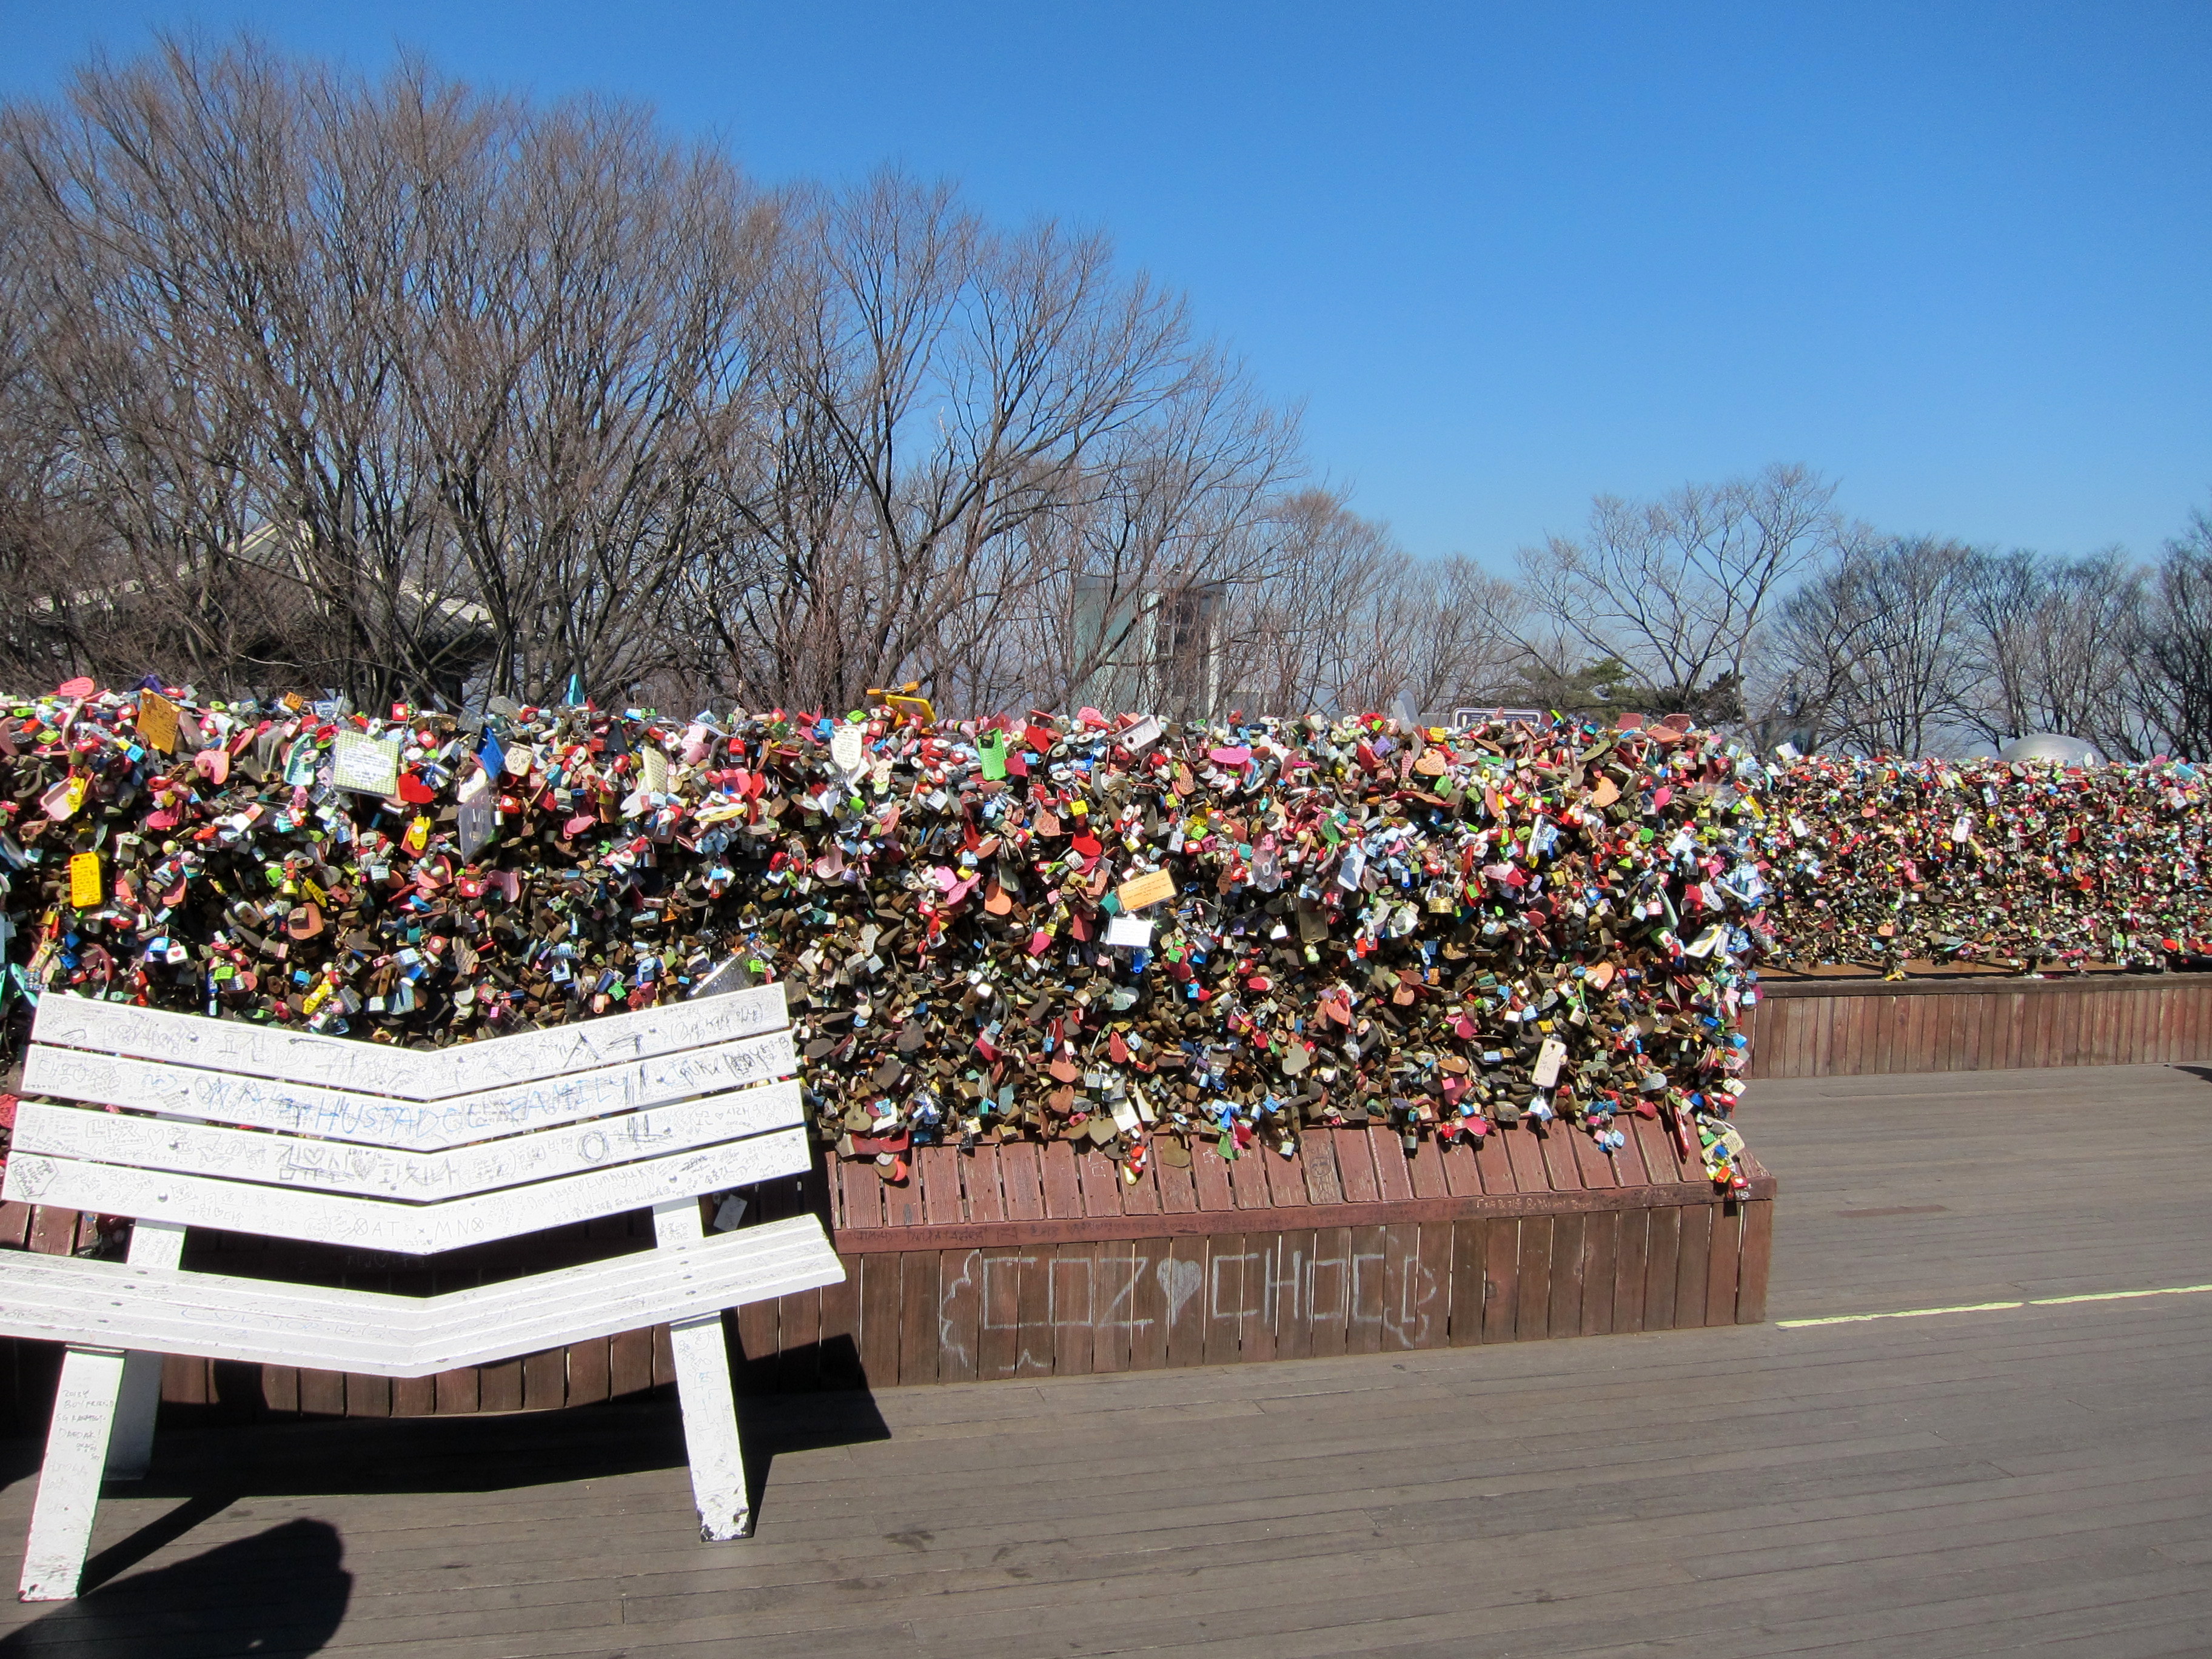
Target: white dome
(2052,746)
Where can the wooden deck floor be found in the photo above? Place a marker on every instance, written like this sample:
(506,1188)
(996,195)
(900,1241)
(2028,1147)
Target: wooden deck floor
(2036,1478)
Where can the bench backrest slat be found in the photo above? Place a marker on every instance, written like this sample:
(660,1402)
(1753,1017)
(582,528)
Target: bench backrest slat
(418,1126)
(283,1160)
(117,1028)
(410,1229)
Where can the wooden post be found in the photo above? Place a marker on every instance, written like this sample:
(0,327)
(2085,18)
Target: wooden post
(131,1446)
(702,1388)
(69,1481)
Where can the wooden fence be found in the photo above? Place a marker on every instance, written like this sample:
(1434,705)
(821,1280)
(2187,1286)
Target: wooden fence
(1848,1028)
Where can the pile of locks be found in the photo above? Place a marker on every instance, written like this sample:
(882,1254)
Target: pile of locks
(1890,864)
(1145,936)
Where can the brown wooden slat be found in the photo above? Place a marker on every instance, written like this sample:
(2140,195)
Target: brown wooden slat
(880,1294)
(1177,1185)
(920,1305)
(1294,1296)
(1148,1303)
(1427,1168)
(1063,1192)
(1021,1182)
(1631,1240)
(1363,1286)
(1600,1241)
(959,1314)
(1662,1256)
(456,1391)
(998,1345)
(1266,1255)
(184,1379)
(630,1363)
(1224,1296)
(1526,1158)
(1430,1317)
(1562,1170)
(545,1382)
(1033,1354)
(1210,1179)
(1286,1178)
(1329,1291)
(499,1386)
(1567,1266)
(1496,1164)
(1111,1301)
(1501,1310)
(371,1396)
(1317,1155)
(937,1173)
(1355,1165)
(417,1396)
(664,1358)
(1462,1172)
(1401,1263)
(1695,1257)
(758,1327)
(1394,1171)
(1535,1276)
(1469,1240)
(280,1388)
(797,1367)
(1185,1282)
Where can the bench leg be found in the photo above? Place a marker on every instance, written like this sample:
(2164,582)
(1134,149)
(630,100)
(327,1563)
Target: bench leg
(131,1448)
(69,1480)
(710,1407)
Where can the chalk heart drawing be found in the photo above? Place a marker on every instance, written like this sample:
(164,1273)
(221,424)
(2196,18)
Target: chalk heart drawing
(1182,1280)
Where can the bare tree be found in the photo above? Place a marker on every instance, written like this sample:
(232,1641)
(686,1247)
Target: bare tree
(1872,646)
(2056,645)
(1676,589)
(2177,652)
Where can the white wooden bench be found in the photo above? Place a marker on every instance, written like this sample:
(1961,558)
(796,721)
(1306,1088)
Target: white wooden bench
(258,1130)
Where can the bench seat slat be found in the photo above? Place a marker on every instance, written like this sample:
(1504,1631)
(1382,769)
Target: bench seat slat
(309,1165)
(101,1304)
(410,1229)
(119,1027)
(403,1125)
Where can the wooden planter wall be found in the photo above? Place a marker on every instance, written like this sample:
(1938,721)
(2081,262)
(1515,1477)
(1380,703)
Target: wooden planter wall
(1028,1261)
(1040,1262)
(1831,1028)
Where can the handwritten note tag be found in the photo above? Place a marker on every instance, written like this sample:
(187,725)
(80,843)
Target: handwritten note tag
(1132,931)
(366,765)
(1549,1058)
(654,765)
(1139,891)
(157,721)
(84,880)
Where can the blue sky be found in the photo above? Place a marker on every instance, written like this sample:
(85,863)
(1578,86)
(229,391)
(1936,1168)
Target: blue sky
(1954,255)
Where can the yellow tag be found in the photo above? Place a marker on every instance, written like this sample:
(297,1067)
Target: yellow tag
(316,997)
(84,880)
(157,721)
(417,837)
(1140,890)
(315,894)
